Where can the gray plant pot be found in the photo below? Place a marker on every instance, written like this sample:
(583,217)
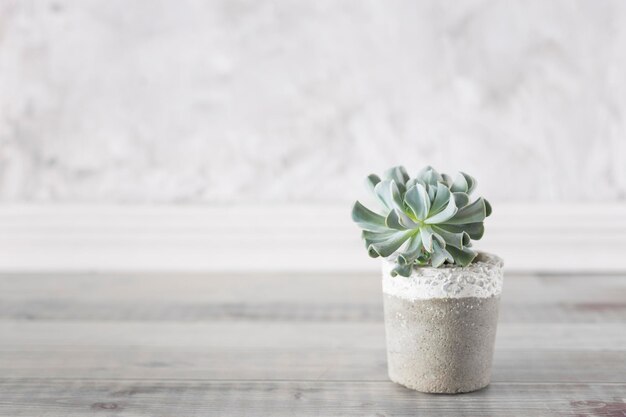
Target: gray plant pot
(441,324)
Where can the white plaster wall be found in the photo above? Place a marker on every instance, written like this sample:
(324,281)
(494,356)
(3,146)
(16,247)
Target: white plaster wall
(295,101)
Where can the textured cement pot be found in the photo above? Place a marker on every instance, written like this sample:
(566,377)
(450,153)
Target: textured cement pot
(441,323)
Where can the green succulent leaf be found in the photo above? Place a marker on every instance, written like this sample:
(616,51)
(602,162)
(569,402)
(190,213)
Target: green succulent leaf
(412,251)
(402,270)
(472,213)
(440,255)
(417,199)
(442,196)
(371,181)
(426,220)
(411,183)
(438,239)
(463,257)
(390,245)
(426,234)
(474,230)
(461,199)
(432,191)
(398,174)
(375,237)
(444,214)
(429,175)
(393,220)
(399,220)
(388,193)
(367,219)
(471,182)
(458,239)
(459,185)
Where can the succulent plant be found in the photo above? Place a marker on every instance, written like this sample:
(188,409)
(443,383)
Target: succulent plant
(426,220)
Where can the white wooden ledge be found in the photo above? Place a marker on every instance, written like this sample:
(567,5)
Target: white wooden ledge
(548,238)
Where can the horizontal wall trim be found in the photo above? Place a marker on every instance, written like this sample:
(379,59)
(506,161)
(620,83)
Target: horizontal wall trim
(312,238)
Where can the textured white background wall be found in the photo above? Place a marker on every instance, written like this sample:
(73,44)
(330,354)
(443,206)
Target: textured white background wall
(295,101)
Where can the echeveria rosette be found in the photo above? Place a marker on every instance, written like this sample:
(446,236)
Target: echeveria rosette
(426,220)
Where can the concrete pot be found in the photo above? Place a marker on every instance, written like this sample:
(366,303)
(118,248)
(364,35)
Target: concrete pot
(441,323)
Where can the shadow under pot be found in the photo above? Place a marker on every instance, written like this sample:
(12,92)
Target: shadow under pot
(440,325)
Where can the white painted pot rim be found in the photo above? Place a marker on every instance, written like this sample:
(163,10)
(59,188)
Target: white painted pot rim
(482,278)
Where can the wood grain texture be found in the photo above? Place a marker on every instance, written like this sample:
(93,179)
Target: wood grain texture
(132,362)
(296,297)
(302,398)
(289,344)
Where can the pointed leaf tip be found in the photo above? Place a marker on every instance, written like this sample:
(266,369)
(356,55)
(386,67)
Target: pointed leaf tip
(388,193)
(487,208)
(460,184)
(390,245)
(393,220)
(366,219)
(472,213)
(398,174)
(462,257)
(471,182)
(402,270)
(371,181)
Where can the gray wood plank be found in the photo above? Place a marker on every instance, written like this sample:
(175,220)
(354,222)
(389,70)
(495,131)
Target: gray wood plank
(67,310)
(283,297)
(205,288)
(288,344)
(303,398)
(330,288)
(290,364)
(271,335)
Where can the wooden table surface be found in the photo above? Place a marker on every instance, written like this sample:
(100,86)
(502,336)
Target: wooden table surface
(289,345)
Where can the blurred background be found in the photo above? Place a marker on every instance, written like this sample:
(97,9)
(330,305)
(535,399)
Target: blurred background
(180,124)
